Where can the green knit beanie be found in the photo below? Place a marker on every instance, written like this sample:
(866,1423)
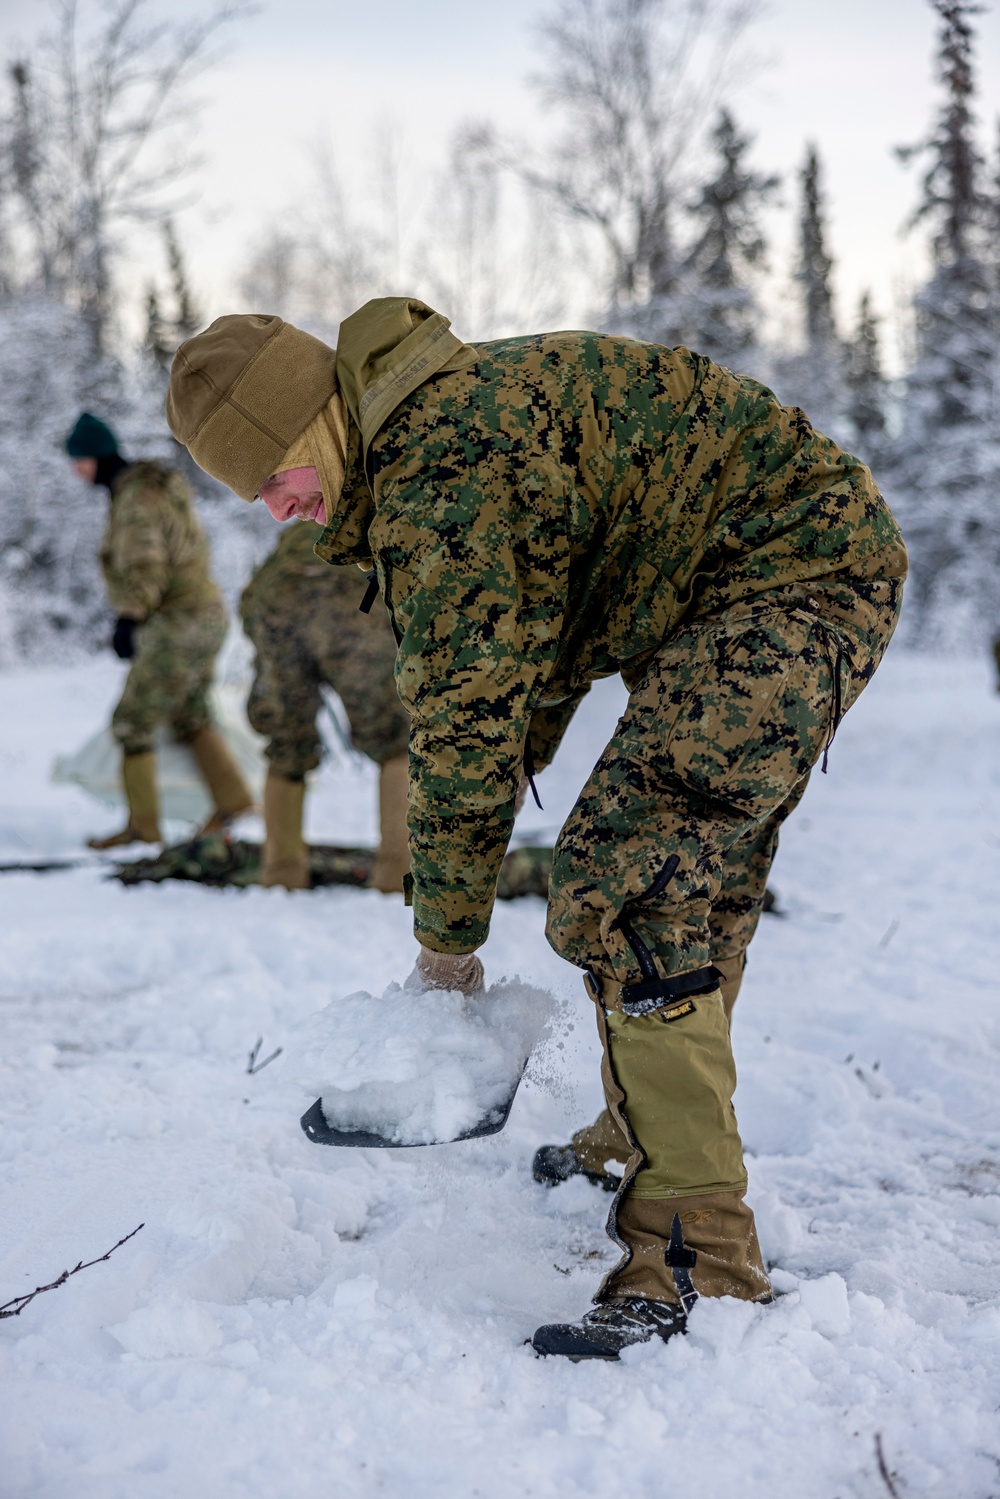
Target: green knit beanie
(91,438)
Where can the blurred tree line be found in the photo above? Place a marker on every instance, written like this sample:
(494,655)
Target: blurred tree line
(647,196)
(96,139)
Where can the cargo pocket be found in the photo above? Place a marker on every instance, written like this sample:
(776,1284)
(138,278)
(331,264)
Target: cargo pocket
(739,711)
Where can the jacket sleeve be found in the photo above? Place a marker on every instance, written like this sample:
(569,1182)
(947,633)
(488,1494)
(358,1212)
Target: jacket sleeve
(137,567)
(548,725)
(467,670)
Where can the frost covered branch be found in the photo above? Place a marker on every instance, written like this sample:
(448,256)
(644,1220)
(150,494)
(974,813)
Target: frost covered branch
(15,1307)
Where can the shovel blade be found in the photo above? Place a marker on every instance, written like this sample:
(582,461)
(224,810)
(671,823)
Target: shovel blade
(314,1123)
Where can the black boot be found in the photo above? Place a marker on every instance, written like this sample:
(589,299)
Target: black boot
(557,1163)
(609,1328)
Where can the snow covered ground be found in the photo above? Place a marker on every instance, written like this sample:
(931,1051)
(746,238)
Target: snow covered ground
(298,1321)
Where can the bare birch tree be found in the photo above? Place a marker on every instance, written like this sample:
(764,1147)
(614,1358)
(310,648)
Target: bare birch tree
(98,135)
(637,83)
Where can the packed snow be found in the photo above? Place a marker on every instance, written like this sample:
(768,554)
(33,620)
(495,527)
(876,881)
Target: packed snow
(418,1067)
(300,1321)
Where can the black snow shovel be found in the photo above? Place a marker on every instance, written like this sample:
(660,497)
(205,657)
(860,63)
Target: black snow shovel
(314,1123)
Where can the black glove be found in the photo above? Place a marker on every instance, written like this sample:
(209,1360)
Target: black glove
(123,640)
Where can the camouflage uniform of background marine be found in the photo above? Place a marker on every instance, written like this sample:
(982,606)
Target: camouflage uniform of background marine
(156,566)
(308,631)
(545,511)
(156,562)
(303,618)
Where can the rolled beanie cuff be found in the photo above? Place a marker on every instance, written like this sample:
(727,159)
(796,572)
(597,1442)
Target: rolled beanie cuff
(238,417)
(236,452)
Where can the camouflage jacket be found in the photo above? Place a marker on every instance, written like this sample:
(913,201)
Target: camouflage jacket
(275,583)
(544,511)
(154,554)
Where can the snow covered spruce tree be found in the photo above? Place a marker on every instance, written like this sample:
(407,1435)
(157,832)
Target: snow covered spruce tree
(866,388)
(811,378)
(946,471)
(94,135)
(721,311)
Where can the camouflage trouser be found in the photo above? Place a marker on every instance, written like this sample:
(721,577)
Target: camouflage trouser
(318,638)
(170,677)
(663,861)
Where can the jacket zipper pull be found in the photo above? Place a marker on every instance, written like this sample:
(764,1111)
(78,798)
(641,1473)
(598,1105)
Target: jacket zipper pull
(365,607)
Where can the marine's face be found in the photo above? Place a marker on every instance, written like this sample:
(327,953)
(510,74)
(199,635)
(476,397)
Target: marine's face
(294,492)
(85,468)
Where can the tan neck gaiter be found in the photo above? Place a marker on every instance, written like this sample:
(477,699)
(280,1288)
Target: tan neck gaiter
(323,446)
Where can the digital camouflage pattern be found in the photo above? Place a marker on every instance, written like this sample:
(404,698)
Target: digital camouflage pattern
(170,677)
(154,555)
(713,751)
(155,560)
(305,623)
(556,512)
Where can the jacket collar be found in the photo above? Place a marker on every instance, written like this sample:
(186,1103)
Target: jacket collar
(386,350)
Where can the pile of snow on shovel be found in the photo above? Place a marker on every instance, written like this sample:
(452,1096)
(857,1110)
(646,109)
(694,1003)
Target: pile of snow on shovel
(421,1066)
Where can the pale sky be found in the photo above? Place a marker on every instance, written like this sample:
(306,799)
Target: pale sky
(853,75)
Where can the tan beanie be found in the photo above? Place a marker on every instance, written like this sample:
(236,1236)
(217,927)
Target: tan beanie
(243,391)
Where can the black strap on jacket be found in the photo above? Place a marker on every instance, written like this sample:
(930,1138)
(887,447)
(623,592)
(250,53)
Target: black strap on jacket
(529,770)
(371,592)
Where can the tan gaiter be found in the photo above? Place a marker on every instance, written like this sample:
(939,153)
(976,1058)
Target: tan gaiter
(669,1085)
(718,1226)
(678,1078)
(603,1141)
(323,446)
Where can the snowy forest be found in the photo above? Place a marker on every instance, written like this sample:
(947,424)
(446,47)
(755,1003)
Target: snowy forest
(306,1192)
(660,216)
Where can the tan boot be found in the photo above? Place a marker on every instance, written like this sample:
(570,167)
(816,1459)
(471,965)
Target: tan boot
(222,776)
(392,861)
(286,858)
(143,826)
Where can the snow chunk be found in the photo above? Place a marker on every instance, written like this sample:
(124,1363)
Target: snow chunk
(177,1328)
(826,1302)
(421,1066)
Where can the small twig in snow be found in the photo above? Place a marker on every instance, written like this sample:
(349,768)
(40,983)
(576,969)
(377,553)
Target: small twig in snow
(252,1066)
(15,1307)
(887,1479)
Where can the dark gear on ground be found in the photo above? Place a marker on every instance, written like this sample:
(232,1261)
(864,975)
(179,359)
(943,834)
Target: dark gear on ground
(216,860)
(123,639)
(542,512)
